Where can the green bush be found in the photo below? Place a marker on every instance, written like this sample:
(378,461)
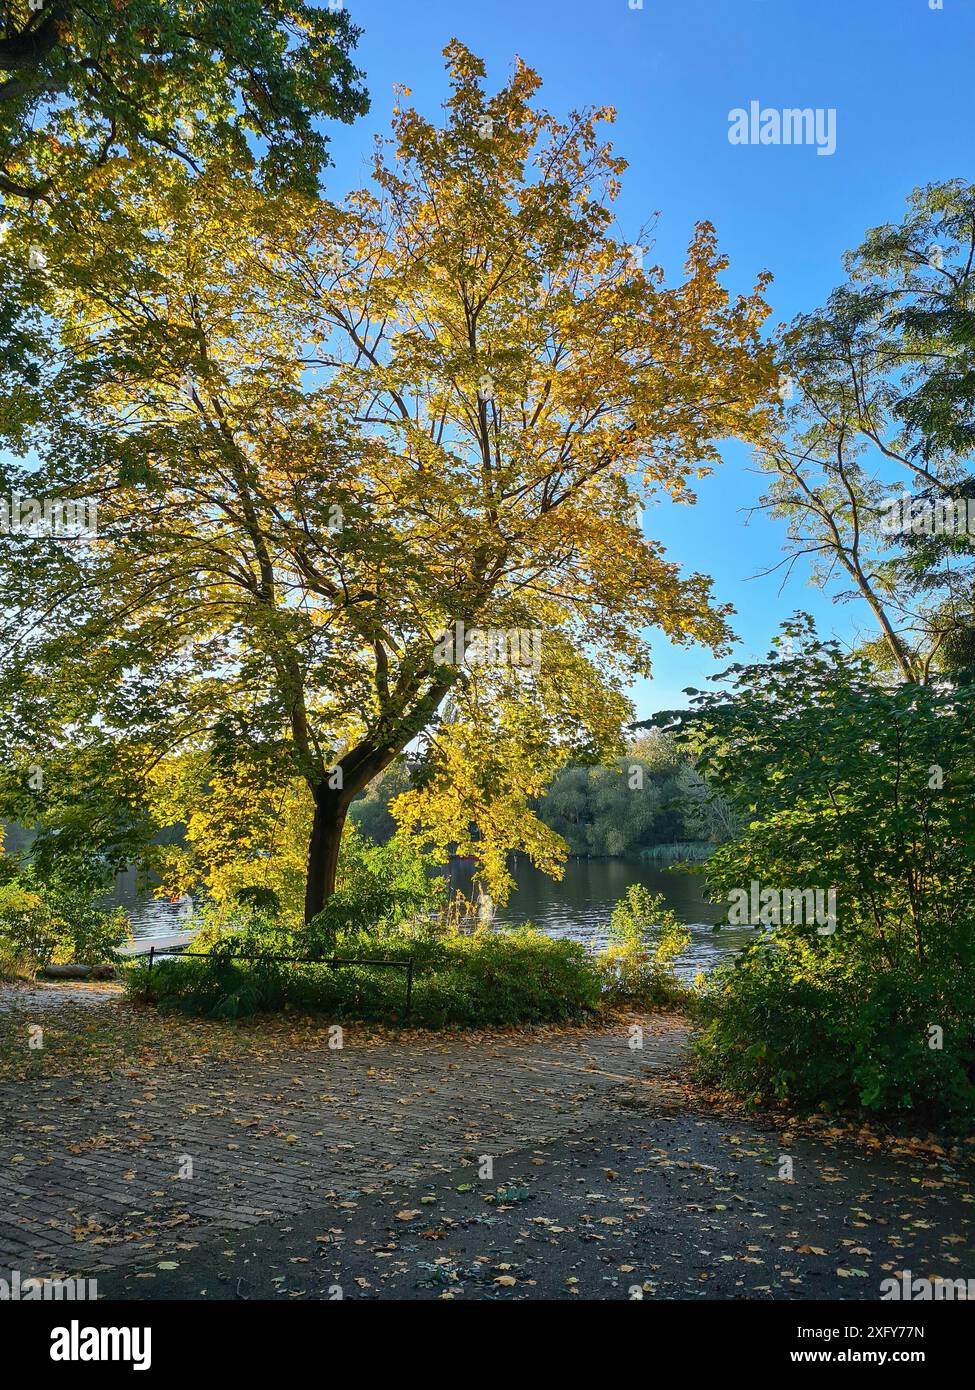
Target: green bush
(15,963)
(863,789)
(797,1021)
(379,888)
(489,979)
(44,924)
(645,938)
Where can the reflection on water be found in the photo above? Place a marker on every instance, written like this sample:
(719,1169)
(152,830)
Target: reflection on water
(578,906)
(151,918)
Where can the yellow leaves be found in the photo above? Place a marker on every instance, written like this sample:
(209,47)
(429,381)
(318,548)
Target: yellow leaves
(17,900)
(240,832)
(483,783)
(480,444)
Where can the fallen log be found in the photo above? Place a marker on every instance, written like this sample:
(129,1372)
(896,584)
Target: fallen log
(78,972)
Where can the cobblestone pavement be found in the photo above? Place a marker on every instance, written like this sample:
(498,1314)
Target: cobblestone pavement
(99,1172)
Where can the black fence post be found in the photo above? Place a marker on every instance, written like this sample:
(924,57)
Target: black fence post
(409,989)
(152,957)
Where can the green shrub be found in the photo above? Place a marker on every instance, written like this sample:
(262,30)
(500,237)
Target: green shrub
(488,979)
(24,930)
(44,924)
(379,888)
(15,963)
(797,1021)
(645,938)
(862,789)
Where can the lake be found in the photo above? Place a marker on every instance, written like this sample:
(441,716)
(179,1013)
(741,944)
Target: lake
(578,906)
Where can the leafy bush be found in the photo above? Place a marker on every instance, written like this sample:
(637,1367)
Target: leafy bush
(24,925)
(15,963)
(645,937)
(487,979)
(865,788)
(795,1021)
(380,887)
(44,924)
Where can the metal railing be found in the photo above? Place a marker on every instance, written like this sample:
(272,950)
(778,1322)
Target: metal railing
(333,962)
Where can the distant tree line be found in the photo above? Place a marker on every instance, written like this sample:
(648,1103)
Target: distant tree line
(650,796)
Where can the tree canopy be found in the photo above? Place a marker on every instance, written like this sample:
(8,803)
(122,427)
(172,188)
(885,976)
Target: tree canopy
(326,441)
(84,87)
(874,456)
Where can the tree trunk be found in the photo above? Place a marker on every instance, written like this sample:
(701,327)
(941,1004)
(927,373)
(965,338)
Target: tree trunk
(331,808)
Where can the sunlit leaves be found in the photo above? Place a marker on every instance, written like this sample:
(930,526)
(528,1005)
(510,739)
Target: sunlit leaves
(328,435)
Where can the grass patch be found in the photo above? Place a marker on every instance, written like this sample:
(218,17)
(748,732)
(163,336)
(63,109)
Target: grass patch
(681,852)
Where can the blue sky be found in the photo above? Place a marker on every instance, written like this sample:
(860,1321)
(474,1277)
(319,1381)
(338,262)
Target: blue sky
(899,75)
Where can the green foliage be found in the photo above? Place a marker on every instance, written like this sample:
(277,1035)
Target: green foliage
(15,963)
(707,818)
(913,281)
(379,887)
(645,938)
(85,86)
(650,797)
(597,810)
(43,924)
(370,812)
(514,977)
(866,787)
(383,910)
(650,802)
(84,808)
(610,810)
(800,1022)
(884,384)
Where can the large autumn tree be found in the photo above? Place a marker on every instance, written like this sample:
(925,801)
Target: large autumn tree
(322,437)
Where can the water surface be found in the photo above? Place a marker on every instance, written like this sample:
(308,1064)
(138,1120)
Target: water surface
(577,906)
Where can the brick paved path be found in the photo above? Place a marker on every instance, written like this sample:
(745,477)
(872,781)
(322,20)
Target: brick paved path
(90,1169)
